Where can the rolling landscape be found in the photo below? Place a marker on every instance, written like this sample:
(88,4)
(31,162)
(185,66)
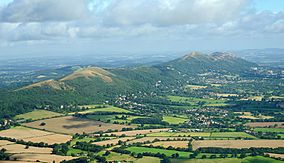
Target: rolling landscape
(196,108)
(141,81)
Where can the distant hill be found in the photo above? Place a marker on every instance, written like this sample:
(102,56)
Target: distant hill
(93,84)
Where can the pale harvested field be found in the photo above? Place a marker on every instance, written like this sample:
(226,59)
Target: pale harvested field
(113,141)
(22,132)
(151,139)
(274,155)
(176,144)
(50,139)
(40,157)
(33,135)
(266,124)
(137,132)
(238,143)
(72,125)
(5,142)
(14,161)
(19,148)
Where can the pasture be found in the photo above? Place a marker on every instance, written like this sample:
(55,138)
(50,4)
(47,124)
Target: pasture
(113,118)
(174,120)
(196,101)
(72,125)
(137,132)
(279,130)
(238,143)
(37,114)
(156,150)
(108,108)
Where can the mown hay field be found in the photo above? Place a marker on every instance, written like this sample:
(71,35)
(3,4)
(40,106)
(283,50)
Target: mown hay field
(113,141)
(19,148)
(34,135)
(22,132)
(266,124)
(39,157)
(238,143)
(72,125)
(203,134)
(175,144)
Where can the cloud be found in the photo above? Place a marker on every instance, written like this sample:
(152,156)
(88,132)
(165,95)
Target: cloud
(162,20)
(43,10)
(169,12)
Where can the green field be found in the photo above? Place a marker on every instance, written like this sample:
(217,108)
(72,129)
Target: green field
(179,134)
(174,120)
(203,134)
(195,101)
(156,150)
(113,156)
(256,159)
(93,109)
(231,135)
(112,118)
(37,114)
(281,135)
(280,130)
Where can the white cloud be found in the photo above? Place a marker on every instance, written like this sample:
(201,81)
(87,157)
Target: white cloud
(165,20)
(43,10)
(170,12)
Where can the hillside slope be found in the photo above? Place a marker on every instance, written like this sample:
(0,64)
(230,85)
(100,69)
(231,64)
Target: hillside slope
(96,85)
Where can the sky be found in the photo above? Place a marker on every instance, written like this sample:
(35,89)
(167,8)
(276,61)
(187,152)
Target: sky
(119,27)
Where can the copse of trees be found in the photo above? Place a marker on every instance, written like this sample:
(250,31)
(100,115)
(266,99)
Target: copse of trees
(3,154)
(88,147)
(149,120)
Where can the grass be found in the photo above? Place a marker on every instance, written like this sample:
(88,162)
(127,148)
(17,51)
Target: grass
(179,134)
(279,130)
(37,114)
(113,156)
(232,135)
(260,159)
(174,120)
(203,134)
(195,101)
(108,108)
(256,159)
(111,118)
(156,150)
(219,160)
(281,135)
(75,152)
